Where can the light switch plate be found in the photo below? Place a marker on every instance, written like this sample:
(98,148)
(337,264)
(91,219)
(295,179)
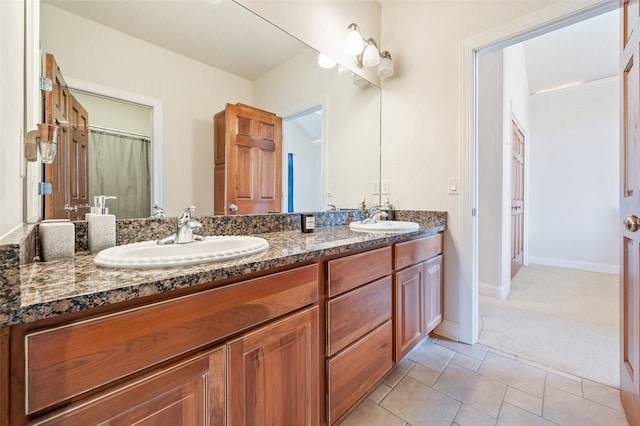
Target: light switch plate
(453,186)
(385,187)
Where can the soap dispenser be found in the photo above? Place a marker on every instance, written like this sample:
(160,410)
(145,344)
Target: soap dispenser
(102,225)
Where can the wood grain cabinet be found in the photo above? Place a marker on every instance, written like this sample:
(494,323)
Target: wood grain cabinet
(156,363)
(417,291)
(188,393)
(359,327)
(273,374)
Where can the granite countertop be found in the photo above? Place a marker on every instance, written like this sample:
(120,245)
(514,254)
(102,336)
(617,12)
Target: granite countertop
(49,289)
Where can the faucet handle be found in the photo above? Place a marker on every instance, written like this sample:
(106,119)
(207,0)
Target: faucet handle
(185,215)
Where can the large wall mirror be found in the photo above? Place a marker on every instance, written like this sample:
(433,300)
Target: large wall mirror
(156,73)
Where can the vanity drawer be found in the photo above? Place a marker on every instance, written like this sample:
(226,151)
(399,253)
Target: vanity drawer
(353,372)
(415,251)
(354,314)
(352,271)
(68,360)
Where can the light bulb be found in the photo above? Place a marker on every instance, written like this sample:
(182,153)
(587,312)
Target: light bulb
(353,44)
(325,62)
(371,56)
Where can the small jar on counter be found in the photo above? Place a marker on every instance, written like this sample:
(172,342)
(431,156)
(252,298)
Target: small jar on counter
(307,222)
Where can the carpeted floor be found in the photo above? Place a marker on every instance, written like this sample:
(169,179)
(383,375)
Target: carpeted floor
(562,318)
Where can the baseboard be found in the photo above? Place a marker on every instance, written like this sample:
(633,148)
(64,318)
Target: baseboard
(574,264)
(492,290)
(448,329)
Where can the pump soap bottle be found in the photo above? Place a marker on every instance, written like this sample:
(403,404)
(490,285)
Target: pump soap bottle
(102,225)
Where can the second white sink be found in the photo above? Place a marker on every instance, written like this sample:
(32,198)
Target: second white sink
(149,254)
(385,226)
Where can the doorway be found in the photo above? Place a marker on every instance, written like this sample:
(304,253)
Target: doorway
(553,17)
(573,137)
(303,146)
(120,147)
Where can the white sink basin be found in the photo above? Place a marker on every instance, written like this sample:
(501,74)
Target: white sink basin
(149,254)
(385,226)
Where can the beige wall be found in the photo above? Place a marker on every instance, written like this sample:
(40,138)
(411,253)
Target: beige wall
(190,92)
(421,110)
(11,113)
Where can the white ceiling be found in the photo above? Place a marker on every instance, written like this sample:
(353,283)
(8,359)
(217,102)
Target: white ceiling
(222,34)
(582,52)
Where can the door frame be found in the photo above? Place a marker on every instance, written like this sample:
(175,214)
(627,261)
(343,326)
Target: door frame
(542,21)
(157,144)
(305,105)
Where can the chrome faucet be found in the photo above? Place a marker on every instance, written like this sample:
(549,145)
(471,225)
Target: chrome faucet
(185,225)
(374,214)
(158,212)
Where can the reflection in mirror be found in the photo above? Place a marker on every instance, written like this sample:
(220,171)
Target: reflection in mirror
(191,60)
(119,153)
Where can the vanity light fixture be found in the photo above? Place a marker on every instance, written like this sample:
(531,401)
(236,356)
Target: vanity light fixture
(353,45)
(366,52)
(46,141)
(385,69)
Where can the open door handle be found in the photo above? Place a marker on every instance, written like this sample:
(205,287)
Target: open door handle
(233,208)
(632,222)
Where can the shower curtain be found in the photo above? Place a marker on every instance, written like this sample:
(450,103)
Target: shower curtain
(119,165)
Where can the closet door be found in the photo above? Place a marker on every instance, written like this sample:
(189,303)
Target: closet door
(57,113)
(252,161)
(68,172)
(78,159)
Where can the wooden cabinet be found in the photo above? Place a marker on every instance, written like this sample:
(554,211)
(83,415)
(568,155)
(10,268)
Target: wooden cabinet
(433,293)
(75,371)
(359,327)
(410,309)
(188,393)
(417,291)
(247,161)
(276,349)
(273,374)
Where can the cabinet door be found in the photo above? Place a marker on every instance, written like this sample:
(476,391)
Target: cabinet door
(409,309)
(433,293)
(189,393)
(273,373)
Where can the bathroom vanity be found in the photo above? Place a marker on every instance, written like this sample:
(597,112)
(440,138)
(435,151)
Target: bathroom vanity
(296,335)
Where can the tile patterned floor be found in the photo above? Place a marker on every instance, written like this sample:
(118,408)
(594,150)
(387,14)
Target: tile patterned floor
(448,383)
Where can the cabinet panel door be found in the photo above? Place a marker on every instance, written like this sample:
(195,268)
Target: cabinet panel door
(273,373)
(189,393)
(433,293)
(409,309)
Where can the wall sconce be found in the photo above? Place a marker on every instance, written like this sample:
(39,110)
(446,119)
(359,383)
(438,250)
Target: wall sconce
(366,52)
(46,141)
